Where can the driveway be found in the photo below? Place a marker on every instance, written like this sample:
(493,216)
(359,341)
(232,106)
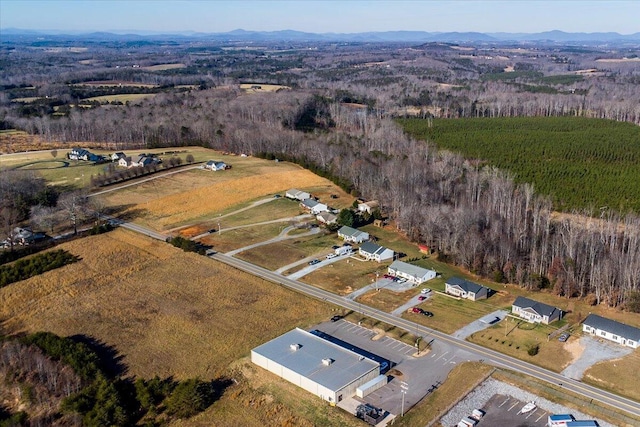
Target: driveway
(595,351)
(411,303)
(480,324)
(311,268)
(282,236)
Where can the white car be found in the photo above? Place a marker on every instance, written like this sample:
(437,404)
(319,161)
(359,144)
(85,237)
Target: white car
(331,256)
(425,291)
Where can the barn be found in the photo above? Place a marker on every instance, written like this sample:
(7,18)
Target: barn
(319,366)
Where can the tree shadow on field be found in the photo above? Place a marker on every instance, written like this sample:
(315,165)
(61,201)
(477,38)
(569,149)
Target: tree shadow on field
(111,361)
(125,212)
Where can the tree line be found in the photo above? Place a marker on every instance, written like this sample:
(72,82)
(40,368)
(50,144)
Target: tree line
(73,382)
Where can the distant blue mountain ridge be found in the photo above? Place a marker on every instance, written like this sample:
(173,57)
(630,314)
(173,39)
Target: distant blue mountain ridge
(371,37)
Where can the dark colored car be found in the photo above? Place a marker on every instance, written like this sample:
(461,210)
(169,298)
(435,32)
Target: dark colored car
(563,337)
(422,298)
(336,318)
(427,313)
(314,262)
(416,310)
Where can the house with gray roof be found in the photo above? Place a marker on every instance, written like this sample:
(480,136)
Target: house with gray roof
(412,273)
(215,165)
(372,252)
(319,366)
(465,289)
(611,330)
(308,204)
(297,194)
(349,234)
(326,218)
(534,311)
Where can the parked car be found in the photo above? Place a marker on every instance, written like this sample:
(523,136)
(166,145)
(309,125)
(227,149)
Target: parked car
(403,280)
(314,261)
(330,256)
(563,337)
(427,313)
(388,276)
(416,310)
(422,298)
(336,318)
(425,291)
(276,196)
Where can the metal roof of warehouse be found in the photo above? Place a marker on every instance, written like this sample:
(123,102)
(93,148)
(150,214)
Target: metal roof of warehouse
(346,366)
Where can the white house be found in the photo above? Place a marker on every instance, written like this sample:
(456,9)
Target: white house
(319,208)
(611,330)
(321,367)
(349,234)
(368,207)
(372,252)
(125,162)
(412,273)
(327,218)
(142,161)
(308,204)
(82,154)
(297,194)
(534,311)
(117,156)
(214,165)
(465,289)
(343,250)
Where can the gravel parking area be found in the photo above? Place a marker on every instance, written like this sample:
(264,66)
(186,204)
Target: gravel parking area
(479,398)
(595,351)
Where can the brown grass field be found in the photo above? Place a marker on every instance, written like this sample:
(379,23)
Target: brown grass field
(164,67)
(124,97)
(201,195)
(344,277)
(169,313)
(615,375)
(289,251)
(261,87)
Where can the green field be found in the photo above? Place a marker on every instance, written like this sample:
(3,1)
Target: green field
(580,163)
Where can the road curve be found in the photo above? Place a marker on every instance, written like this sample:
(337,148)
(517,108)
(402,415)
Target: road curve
(618,402)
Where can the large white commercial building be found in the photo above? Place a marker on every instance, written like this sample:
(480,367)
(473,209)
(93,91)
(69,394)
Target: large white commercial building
(321,367)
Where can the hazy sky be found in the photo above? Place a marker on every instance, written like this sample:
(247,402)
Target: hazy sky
(345,16)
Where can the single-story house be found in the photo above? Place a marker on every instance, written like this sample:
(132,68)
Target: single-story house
(349,234)
(465,289)
(534,311)
(214,165)
(368,207)
(82,154)
(371,251)
(327,218)
(611,330)
(125,162)
(412,273)
(319,208)
(297,194)
(117,156)
(308,204)
(142,161)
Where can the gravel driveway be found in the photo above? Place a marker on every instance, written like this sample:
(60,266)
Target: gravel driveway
(595,351)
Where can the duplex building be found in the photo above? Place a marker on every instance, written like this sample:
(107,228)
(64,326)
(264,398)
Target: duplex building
(611,330)
(349,234)
(319,366)
(297,194)
(412,273)
(372,252)
(465,289)
(534,311)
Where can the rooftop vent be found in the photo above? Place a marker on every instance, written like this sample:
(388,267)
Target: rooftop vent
(294,347)
(328,361)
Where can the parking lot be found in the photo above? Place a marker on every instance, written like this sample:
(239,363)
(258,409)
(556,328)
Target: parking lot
(422,373)
(504,411)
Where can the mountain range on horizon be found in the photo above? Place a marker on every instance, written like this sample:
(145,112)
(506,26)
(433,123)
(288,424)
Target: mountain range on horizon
(241,35)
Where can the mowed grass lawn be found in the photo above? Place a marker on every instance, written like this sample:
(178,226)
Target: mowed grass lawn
(279,254)
(229,240)
(619,376)
(167,312)
(345,276)
(515,337)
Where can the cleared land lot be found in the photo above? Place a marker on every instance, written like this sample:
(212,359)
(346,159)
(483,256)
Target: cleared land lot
(344,277)
(168,312)
(200,195)
(616,375)
(125,97)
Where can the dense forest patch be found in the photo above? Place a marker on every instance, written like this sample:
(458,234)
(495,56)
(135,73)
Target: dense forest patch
(581,163)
